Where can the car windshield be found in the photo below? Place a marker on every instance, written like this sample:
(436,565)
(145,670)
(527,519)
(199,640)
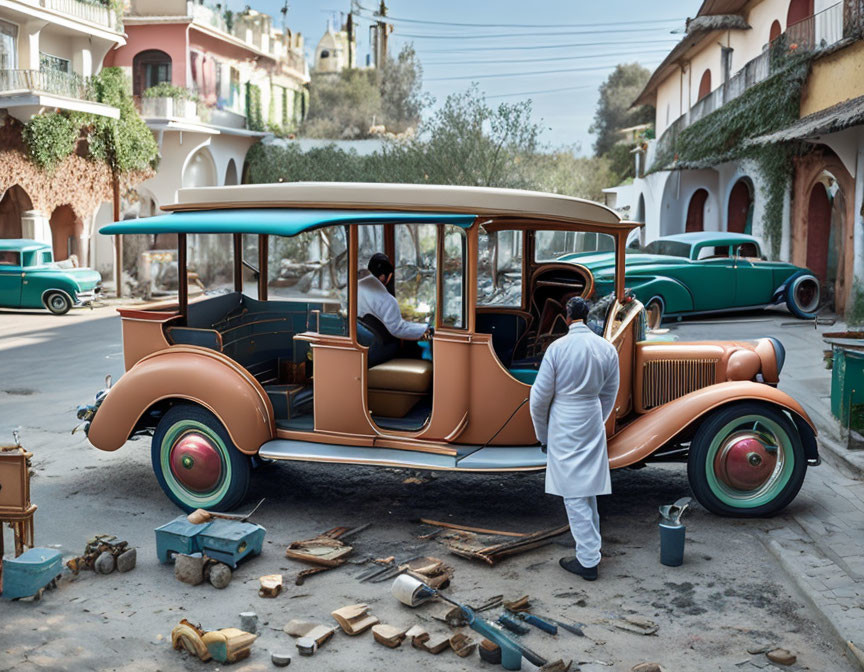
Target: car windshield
(551,245)
(670,248)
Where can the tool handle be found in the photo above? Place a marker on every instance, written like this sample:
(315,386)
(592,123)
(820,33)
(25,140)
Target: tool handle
(512,624)
(538,622)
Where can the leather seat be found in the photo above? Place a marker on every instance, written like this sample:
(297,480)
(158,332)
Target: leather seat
(403,375)
(395,387)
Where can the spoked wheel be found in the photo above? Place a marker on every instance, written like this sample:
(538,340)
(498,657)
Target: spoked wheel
(58,303)
(746,460)
(195,461)
(654,313)
(802,296)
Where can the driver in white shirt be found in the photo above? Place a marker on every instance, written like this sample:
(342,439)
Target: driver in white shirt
(374,299)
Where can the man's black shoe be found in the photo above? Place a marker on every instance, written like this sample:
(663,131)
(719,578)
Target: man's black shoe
(572,565)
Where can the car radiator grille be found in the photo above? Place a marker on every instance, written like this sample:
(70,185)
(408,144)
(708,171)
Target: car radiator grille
(667,379)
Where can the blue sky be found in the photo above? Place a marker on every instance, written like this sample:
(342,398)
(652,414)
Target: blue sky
(584,39)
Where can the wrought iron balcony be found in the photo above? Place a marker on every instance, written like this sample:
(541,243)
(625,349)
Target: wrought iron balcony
(94,12)
(45,81)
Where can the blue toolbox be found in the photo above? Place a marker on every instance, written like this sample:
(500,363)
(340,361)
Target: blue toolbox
(29,573)
(228,541)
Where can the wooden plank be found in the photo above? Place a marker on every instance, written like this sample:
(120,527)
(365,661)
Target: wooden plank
(466,528)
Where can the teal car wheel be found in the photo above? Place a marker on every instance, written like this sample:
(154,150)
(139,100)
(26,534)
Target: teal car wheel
(746,460)
(196,463)
(57,302)
(654,312)
(802,296)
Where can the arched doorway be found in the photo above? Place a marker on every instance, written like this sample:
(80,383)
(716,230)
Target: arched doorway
(200,170)
(150,68)
(14,202)
(798,11)
(696,211)
(826,208)
(231,173)
(67,230)
(740,213)
(704,85)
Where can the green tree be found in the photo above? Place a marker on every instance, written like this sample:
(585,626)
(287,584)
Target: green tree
(613,112)
(562,172)
(401,87)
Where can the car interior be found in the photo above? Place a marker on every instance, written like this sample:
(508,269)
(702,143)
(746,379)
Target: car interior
(260,335)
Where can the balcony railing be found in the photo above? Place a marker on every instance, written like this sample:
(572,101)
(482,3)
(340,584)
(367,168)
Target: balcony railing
(822,30)
(45,81)
(94,12)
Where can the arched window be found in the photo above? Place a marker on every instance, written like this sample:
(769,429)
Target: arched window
(150,68)
(775,31)
(325,53)
(704,85)
(739,217)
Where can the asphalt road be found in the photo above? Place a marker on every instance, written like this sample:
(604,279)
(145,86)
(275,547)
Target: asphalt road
(728,597)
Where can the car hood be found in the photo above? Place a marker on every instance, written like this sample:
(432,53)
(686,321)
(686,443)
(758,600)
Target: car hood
(85,278)
(603,263)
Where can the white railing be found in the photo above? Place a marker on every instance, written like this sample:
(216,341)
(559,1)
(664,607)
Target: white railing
(88,11)
(45,81)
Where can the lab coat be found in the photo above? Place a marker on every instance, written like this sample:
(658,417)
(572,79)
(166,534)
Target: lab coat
(571,398)
(374,299)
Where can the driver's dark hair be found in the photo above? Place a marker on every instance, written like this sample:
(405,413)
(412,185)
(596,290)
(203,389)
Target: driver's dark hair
(380,265)
(578,308)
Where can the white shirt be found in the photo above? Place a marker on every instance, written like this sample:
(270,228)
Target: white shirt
(374,299)
(571,398)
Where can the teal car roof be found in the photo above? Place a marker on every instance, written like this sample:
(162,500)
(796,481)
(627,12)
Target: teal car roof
(697,237)
(275,221)
(22,245)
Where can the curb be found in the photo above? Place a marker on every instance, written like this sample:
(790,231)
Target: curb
(815,600)
(832,449)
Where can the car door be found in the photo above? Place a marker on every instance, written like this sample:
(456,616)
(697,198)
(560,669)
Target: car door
(754,284)
(10,278)
(709,277)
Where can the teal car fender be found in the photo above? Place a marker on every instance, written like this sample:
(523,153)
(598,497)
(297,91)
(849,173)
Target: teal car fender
(39,283)
(673,294)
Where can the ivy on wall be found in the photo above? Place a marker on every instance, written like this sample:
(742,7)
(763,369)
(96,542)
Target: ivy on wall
(254,116)
(125,144)
(726,135)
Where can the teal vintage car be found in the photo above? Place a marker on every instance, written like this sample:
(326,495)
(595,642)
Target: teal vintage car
(29,278)
(704,272)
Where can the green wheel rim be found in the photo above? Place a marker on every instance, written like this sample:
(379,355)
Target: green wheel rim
(776,436)
(184,494)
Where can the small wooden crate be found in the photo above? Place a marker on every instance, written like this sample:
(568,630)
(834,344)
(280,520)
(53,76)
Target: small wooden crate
(14,480)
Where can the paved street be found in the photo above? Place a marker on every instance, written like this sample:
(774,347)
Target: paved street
(792,581)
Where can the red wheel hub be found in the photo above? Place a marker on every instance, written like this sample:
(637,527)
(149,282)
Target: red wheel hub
(196,463)
(745,463)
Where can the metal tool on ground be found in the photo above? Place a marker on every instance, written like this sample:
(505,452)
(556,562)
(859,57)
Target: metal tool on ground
(526,617)
(672,532)
(325,551)
(670,514)
(411,592)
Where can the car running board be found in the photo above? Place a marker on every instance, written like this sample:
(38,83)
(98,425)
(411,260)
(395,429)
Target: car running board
(469,458)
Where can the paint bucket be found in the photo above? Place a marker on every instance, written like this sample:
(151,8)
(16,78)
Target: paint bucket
(672,544)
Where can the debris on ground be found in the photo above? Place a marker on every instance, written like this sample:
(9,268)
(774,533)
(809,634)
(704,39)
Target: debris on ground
(446,613)
(189,568)
(217,573)
(647,667)
(354,619)
(462,644)
(430,570)
(249,621)
(226,541)
(199,516)
(29,574)
(326,551)
(637,624)
(782,657)
(490,546)
(227,645)
(557,666)
(489,652)
(103,554)
(433,643)
(388,635)
(310,636)
(280,659)
(270,585)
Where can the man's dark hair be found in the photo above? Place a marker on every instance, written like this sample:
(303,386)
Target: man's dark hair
(380,265)
(578,308)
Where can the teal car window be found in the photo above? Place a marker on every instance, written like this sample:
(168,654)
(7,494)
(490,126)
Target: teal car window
(748,250)
(713,252)
(46,257)
(669,248)
(10,258)
(552,245)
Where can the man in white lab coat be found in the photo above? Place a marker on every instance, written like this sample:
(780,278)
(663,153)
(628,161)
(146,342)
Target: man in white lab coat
(374,299)
(571,398)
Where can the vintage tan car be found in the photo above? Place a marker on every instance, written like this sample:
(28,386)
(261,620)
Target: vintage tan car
(279,365)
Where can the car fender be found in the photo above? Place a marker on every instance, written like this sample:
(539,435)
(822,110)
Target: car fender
(648,433)
(39,285)
(779,295)
(189,373)
(675,295)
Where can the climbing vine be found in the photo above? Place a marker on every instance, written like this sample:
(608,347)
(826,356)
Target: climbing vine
(254,117)
(125,144)
(167,90)
(727,134)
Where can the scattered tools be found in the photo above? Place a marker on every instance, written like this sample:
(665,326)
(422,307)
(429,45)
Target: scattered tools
(325,551)
(103,554)
(270,585)
(465,541)
(310,636)
(509,618)
(431,643)
(388,635)
(199,516)
(411,592)
(354,619)
(463,645)
(431,571)
(227,645)
(637,624)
